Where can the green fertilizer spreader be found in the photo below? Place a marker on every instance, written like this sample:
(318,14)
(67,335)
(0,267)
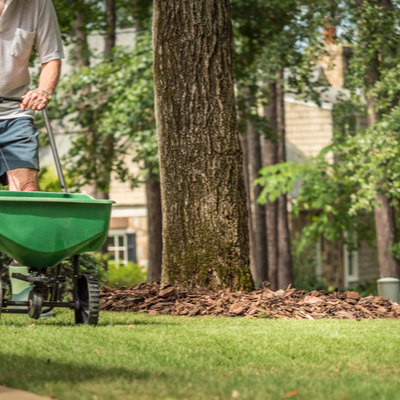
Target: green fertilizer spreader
(40,230)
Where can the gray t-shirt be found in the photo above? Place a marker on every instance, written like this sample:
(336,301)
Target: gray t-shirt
(22,24)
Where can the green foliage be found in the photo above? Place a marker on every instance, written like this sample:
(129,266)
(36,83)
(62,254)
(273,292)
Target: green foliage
(304,265)
(91,10)
(367,289)
(269,37)
(339,186)
(89,264)
(327,189)
(115,112)
(48,181)
(125,275)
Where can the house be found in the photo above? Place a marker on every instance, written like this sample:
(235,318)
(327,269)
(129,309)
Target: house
(309,128)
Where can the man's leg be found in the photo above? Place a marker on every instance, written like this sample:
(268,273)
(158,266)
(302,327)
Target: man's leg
(23,179)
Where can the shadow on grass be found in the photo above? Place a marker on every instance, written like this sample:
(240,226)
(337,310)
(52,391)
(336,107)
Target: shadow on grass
(25,372)
(23,320)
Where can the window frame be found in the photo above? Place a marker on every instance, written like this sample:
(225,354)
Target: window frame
(116,233)
(353,278)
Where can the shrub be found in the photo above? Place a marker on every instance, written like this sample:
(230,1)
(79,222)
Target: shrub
(125,275)
(89,264)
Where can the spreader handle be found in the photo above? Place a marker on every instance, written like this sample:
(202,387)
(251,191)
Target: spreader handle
(54,151)
(51,139)
(16,99)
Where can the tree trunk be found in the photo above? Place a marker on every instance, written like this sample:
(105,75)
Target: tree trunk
(243,139)
(260,232)
(385,225)
(270,157)
(81,57)
(285,265)
(110,27)
(384,216)
(385,237)
(205,220)
(154,224)
(103,187)
(107,151)
(81,53)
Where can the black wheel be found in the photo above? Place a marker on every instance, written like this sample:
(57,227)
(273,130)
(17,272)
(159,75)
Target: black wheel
(35,303)
(89,298)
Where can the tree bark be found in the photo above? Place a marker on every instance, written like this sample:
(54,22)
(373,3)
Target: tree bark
(107,151)
(385,237)
(285,265)
(260,231)
(110,27)
(81,54)
(243,139)
(154,224)
(270,157)
(205,220)
(385,226)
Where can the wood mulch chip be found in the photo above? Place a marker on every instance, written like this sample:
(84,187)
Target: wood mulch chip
(286,304)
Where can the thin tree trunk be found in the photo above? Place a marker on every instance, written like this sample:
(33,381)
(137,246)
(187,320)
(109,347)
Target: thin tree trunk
(154,224)
(260,232)
(205,220)
(103,187)
(109,141)
(81,53)
(243,139)
(270,157)
(81,57)
(110,27)
(385,226)
(285,265)
(385,237)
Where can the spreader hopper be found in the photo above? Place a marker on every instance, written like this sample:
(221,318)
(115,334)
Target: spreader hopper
(40,229)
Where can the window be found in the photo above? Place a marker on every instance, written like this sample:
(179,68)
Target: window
(350,267)
(117,248)
(122,247)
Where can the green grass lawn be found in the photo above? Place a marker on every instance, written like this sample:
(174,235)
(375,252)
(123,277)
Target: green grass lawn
(131,356)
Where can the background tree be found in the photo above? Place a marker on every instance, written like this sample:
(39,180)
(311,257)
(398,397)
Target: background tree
(363,182)
(205,227)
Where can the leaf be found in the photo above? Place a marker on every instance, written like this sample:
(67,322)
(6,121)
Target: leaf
(291,393)
(30,326)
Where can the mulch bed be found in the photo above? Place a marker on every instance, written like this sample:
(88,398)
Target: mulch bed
(287,304)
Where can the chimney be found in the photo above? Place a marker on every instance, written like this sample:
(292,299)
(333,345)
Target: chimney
(329,35)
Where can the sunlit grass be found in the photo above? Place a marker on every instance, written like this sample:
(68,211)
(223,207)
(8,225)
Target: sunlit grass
(131,356)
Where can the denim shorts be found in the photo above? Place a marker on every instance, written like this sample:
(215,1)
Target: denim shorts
(20,145)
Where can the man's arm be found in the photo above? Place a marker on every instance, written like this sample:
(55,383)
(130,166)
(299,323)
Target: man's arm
(49,77)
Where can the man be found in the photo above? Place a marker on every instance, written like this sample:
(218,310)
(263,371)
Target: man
(24,23)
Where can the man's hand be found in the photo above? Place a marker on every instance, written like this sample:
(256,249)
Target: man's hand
(34,101)
(48,80)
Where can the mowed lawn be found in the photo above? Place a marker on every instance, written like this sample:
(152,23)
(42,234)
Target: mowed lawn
(136,356)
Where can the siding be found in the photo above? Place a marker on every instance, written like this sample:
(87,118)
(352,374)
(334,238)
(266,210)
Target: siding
(308,129)
(368,266)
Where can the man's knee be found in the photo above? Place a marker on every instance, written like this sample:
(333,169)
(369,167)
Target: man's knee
(29,186)
(23,179)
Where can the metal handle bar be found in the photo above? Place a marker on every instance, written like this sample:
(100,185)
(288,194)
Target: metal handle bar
(5,98)
(51,139)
